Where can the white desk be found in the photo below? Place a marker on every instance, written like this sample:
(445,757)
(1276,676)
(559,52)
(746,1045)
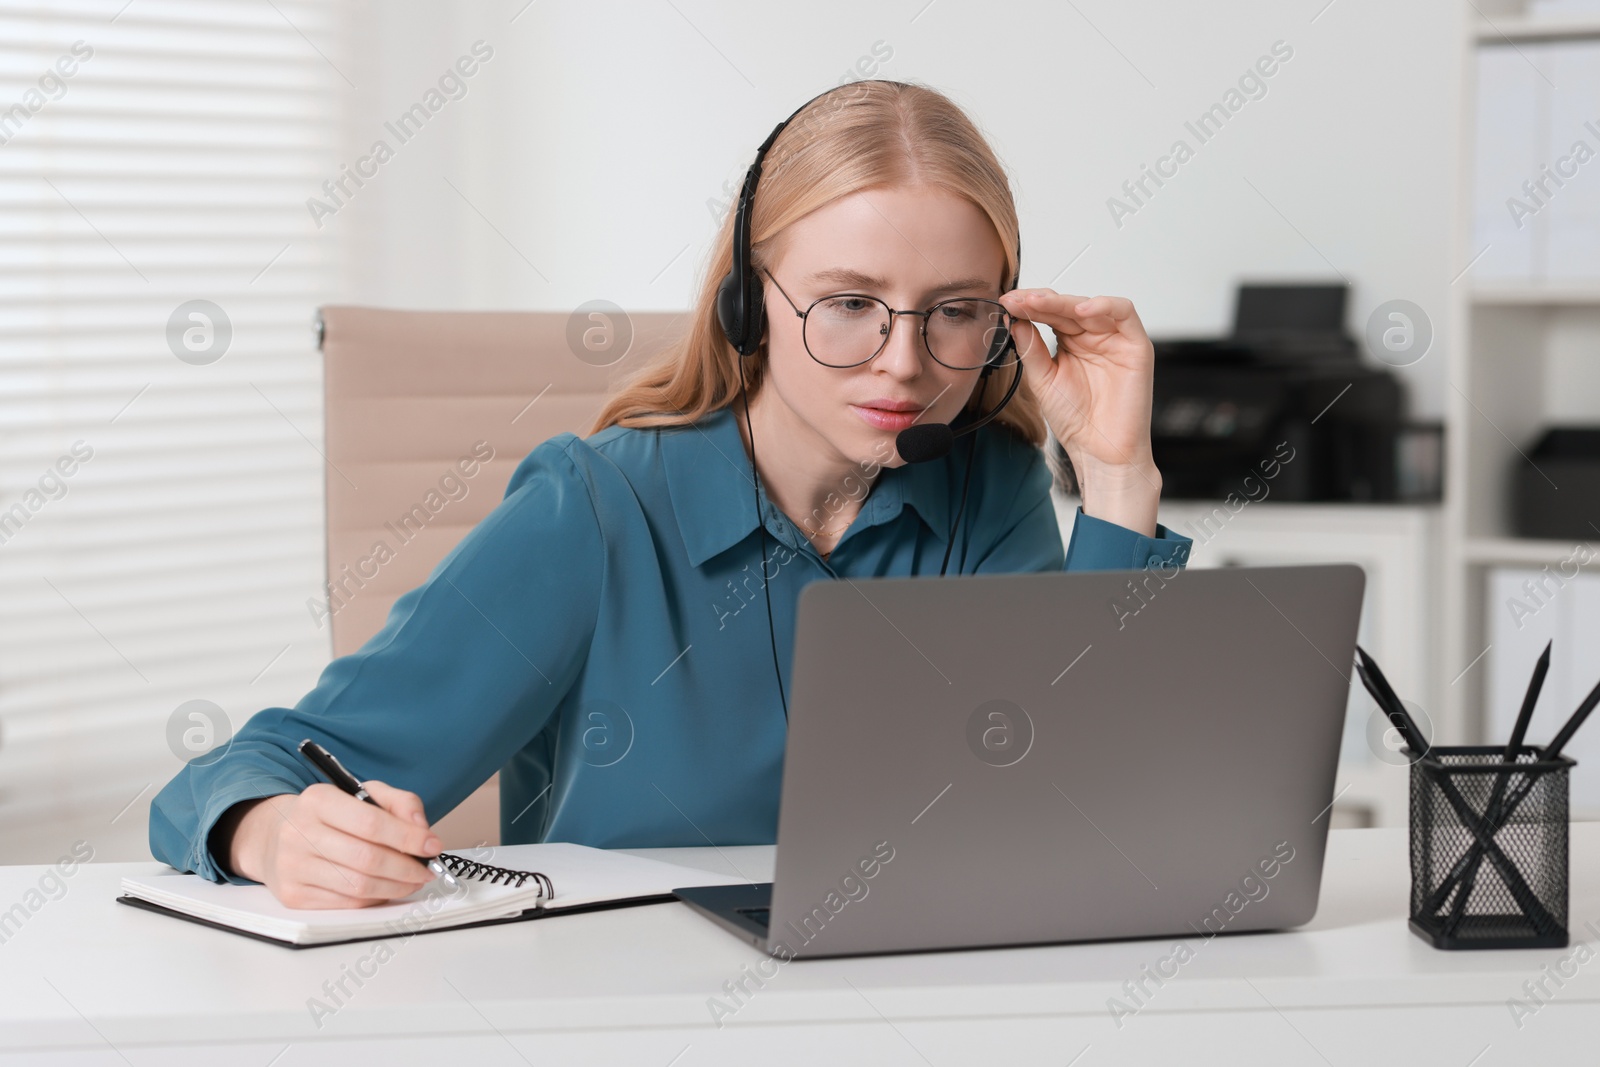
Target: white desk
(88,981)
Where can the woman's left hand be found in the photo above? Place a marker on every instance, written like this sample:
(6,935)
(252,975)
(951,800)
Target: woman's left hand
(1095,394)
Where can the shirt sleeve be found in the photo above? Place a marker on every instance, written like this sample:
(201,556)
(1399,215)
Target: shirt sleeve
(1030,537)
(466,670)
(1099,545)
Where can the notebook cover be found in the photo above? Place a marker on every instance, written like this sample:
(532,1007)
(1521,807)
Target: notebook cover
(530,913)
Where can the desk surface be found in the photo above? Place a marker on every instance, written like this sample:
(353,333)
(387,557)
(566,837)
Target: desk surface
(86,980)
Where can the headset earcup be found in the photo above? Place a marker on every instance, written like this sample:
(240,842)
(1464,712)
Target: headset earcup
(755,315)
(729,312)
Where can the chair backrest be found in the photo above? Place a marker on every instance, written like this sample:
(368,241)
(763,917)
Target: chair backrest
(409,396)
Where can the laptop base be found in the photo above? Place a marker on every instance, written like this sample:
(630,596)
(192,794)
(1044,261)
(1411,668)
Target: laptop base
(740,909)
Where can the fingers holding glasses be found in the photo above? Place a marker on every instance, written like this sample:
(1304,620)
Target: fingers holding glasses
(1056,310)
(1095,392)
(1107,314)
(1101,322)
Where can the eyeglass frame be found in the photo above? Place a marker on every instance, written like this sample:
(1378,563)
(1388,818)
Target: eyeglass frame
(923,331)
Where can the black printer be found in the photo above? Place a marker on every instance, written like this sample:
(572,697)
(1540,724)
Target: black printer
(1556,483)
(1288,382)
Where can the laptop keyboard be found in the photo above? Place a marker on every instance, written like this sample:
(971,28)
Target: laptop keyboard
(762,917)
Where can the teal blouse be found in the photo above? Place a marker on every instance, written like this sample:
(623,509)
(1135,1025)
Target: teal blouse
(600,638)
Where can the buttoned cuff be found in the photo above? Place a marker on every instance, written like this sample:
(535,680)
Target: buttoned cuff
(1098,545)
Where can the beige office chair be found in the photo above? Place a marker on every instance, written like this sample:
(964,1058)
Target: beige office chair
(408,394)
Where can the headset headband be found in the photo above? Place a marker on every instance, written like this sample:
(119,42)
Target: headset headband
(739,300)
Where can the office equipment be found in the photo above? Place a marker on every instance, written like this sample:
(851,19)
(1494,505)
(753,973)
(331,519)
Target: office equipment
(1495,819)
(1286,396)
(1298,321)
(334,771)
(1519,732)
(1372,677)
(573,878)
(1535,914)
(1524,903)
(1473,822)
(1419,461)
(1529,699)
(1572,724)
(1450,840)
(1025,758)
(1564,456)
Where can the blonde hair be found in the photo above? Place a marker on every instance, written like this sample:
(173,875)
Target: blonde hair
(870,135)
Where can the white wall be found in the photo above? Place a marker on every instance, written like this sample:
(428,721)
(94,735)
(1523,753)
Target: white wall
(595,136)
(580,161)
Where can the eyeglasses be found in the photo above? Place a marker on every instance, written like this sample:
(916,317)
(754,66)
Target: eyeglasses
(848,329)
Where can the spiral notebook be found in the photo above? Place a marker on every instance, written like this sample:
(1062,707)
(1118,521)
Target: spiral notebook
(535,881)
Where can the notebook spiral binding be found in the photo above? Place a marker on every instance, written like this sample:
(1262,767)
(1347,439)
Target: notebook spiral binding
(462,867)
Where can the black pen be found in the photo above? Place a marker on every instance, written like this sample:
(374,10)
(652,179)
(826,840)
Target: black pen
(334,771)
(1519,731)
(1563,735)
(1389,703)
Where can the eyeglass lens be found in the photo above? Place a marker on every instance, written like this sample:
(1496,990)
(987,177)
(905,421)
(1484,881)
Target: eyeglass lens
(963,334)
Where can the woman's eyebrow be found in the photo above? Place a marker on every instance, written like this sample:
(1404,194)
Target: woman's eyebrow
(860,280)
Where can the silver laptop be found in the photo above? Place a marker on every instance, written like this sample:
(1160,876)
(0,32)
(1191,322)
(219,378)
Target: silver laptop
(1026,758)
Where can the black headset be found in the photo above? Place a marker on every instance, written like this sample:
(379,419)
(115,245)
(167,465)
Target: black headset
(741,312)
(741,299)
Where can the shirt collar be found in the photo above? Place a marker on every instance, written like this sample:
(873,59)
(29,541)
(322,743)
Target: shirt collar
(711,484)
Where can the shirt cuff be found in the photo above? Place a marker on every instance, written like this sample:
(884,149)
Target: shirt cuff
(201,859)
(1098,545)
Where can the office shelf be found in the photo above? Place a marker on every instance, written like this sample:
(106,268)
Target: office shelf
(1517,28)
(1525,550)
(1538,294)
(1522,359)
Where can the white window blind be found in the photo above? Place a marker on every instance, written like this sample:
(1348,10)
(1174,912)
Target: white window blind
(160,518)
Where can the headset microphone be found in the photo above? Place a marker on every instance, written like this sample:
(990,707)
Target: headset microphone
(934,440)
(920,444)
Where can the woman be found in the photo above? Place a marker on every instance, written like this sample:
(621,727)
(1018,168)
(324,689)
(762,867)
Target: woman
(590,638)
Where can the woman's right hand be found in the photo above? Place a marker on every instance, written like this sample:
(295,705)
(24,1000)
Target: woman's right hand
(323,848)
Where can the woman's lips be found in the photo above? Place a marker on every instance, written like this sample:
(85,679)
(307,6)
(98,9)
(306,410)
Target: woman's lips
(886,420)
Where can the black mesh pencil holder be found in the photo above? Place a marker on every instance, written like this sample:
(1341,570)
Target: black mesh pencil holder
(1489,848)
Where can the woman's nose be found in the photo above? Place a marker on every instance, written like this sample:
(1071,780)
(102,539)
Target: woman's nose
(902,355)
